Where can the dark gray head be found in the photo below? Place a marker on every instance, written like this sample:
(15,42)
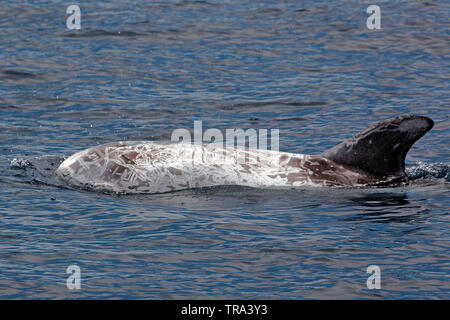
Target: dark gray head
(380,150)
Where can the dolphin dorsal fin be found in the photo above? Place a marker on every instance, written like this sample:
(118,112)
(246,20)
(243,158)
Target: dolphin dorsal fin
(380,150)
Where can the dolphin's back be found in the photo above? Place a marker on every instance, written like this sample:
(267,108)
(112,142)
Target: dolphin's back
(149,167)
(372,157)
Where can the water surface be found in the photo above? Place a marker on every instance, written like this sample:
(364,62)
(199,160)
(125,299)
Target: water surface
(137,72)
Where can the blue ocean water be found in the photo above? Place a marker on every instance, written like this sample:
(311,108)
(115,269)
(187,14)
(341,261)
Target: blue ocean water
(138,71)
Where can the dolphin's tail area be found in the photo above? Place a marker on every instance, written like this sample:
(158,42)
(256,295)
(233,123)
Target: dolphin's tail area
(380,150)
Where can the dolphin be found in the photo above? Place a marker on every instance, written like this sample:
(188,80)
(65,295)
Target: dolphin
(373,157)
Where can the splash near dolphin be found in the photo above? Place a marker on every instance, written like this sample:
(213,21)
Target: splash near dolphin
(373,157)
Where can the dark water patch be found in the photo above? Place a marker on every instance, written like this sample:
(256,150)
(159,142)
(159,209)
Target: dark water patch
(16,75)
(117,112)
(195,4)
(382,199)
(268,104)
(99,33)
(294,119)
(8,107)
(143,22)
(20,74)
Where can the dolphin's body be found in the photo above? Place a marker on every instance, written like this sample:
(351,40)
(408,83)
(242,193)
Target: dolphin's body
(375,156)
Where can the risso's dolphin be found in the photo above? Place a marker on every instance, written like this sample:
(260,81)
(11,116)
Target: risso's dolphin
(374,157)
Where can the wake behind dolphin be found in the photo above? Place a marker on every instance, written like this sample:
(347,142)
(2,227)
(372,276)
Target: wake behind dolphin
(373,157)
